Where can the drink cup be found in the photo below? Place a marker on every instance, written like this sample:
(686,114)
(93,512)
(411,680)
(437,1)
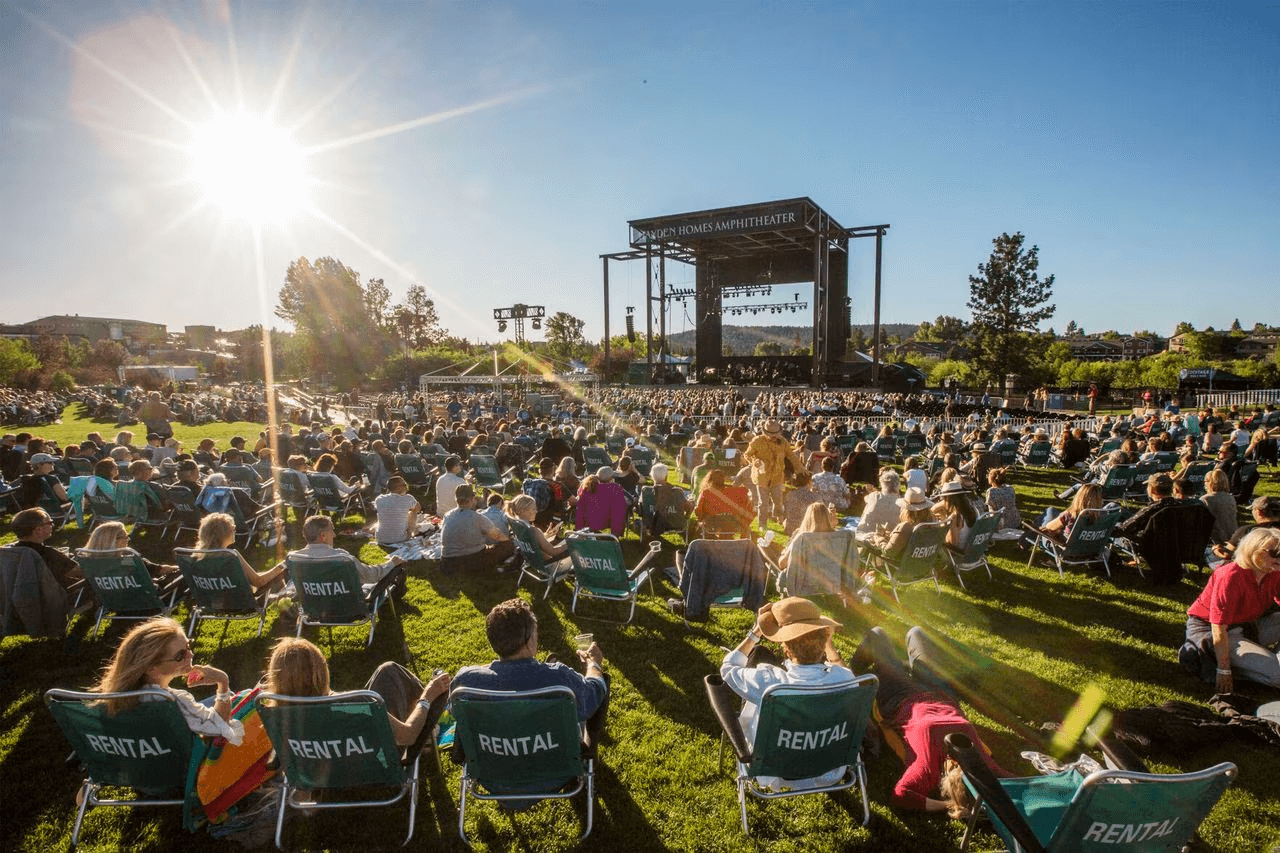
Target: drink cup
(582,642)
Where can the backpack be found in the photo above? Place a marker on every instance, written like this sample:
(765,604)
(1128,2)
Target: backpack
(539,490)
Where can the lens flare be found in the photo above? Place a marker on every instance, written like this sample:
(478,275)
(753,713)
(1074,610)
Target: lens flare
(249,169)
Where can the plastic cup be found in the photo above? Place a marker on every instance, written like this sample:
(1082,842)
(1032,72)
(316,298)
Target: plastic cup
(582,642)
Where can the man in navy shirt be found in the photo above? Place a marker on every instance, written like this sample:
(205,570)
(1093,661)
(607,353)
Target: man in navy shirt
(512,630)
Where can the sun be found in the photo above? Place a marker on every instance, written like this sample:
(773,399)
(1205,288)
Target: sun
(249,168)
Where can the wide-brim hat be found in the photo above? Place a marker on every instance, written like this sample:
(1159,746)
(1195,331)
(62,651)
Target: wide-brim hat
(978,448)
(955,487)
(796,617)
(1041,432)
(915,500)
(772,427)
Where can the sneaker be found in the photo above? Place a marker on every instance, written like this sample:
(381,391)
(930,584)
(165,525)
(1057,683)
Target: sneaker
(676,605)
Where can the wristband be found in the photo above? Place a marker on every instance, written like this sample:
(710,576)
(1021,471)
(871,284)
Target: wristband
(1222,671)
(223,694)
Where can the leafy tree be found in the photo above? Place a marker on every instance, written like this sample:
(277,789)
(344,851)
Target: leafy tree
(377,303)
(951,368)
(944,330)
(768,348)
(1206,345)
(16,358)
(416,317)
(564,335)
(330,310)
(858,341)
(1183,328)
(1072,329)
(1008,300)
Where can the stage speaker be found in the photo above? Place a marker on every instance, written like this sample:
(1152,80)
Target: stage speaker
(631,328)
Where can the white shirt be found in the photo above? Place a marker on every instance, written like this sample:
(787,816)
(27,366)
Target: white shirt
(445,486)
(393,517)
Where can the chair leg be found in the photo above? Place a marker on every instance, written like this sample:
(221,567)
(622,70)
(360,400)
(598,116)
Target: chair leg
(742,804)
(85,792)
(591,797)
(413,799)
(462,810)
(284,804)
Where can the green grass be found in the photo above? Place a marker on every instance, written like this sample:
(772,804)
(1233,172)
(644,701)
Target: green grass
(657,783)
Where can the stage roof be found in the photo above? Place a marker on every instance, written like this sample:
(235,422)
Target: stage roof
(732,232)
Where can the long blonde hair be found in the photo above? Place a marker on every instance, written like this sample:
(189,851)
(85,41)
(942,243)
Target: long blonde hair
(817,519)
(953,792)
(105,536)
(297,668)
(215,529)
(143,647)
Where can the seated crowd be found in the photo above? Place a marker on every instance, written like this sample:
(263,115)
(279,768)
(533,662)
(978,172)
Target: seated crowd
(789,461)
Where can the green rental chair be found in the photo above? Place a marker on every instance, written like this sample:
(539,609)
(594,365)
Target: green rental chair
(218,588)
(1194,478)
(519,747)
(1037,455)
(1117,482)
(919,561)
(594,458)
(123,586)
(488,475)
(329,593)
(146,747)
(600,571)
(974,554)
(820,564)
(103,509)
(804,731)
(341,742)
(1116,811)
(330,501)
(1089,542)
(414,471)
(534,565)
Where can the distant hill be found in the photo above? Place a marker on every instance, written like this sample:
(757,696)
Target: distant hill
(743,339)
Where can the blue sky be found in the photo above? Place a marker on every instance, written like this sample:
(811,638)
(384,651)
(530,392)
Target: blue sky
(1135,143)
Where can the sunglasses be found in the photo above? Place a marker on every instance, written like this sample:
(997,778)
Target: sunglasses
(186,650)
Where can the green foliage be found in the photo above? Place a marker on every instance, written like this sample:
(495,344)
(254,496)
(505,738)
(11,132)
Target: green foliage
(61,380)
(768,348)
(1183,328)
(1009,300)
(944,330)
(1207,344)
(416,319)
(564,336)
(950,368)
(16,358)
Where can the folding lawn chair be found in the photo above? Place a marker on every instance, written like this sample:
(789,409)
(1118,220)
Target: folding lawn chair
(1116,811)
(1037,455)
(886,450)
(919,560)
(247,514)
(804,731)
(534,565)
(1089,542)
(329,500)
(1115,485)
(594,458)
(124,587)
(244,477)
(974,554)
(334,744)
(519,747)
(600,570)
(414,471)
(488,475)
(295,492)
(218,588)
(146,747)
(721,573)
(103,508)
(184,513)
(643,458)
(330,593)
(821,563)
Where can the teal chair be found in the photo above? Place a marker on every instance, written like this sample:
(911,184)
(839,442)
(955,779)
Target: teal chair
(594,458)
(803,732)
(146,747)
(124,588)
(519,747)
(1194,478)
(1117,482)
(335,744)
(1110,811)
(533,564)
(218,588)
(488,475)
(600,571)
(917,562)
(329,593)
(974,555)
(1088,544)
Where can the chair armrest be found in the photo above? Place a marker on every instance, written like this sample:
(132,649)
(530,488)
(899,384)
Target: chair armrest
(722,703)
(989,789)
(655,548)
(384,583)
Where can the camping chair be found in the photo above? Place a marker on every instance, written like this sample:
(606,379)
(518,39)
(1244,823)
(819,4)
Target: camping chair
(33,602)
(244,477)
(1037,455)
(721,573)
(247,514)
(295,493)
(1194,478)
(184,514)
(1137,490)
(123,586)
(533,564)
(595,458)
(803,731)
(330,593)
(519,747)
(1174,536)
(1117,811)
(147,747)
(1166,461)
(724,525)
(666,516)
(103,508)
(974,555)
(913,445)
(643,458)
(329,500)
(218,588)
(615,444)
(337,743)
(600,570)
(919,560)
(1089,542)
(1115,485)
(820,564)
(886,450)
(414,471)
(79,466)
(488,475)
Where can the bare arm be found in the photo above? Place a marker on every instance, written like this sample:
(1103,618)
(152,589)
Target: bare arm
(1222,652)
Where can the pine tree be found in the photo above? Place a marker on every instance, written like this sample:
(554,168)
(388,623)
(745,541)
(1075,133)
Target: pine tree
(1008,300)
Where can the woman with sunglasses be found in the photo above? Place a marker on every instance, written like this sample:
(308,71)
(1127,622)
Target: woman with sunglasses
(153,654)
(1234,626)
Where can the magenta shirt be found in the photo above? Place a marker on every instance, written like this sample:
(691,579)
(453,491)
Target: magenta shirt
(604,510)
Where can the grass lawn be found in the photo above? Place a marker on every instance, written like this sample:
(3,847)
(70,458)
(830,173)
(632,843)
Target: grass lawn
(657,782)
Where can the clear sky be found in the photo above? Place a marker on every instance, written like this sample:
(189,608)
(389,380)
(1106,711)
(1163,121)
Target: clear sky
(491,151)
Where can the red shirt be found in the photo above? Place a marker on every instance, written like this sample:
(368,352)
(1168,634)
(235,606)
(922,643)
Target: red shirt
(1233,596)
(732,499)
(924,721)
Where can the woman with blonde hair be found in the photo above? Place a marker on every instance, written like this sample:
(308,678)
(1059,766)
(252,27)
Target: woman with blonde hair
(218,531)
(153,654)
(114,536)
(525,508)
(298,668)
(1089,497)
(818,518)
(1221,503)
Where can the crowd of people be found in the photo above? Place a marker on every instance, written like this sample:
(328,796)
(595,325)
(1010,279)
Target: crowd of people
(794,460)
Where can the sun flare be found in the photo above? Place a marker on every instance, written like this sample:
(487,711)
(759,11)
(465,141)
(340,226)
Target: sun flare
(249,168)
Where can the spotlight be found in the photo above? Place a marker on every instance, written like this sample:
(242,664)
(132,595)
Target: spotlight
(536,323)
(502,325)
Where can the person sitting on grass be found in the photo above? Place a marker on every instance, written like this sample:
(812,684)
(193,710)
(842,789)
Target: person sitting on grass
(297,667)
(917,709)
(809,657)
(397,513)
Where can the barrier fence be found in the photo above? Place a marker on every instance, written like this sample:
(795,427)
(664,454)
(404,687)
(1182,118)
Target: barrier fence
(1226,399)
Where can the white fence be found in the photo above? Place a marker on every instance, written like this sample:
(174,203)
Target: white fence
(1219,399)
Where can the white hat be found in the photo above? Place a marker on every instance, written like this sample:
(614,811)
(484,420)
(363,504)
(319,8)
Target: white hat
(915,500)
